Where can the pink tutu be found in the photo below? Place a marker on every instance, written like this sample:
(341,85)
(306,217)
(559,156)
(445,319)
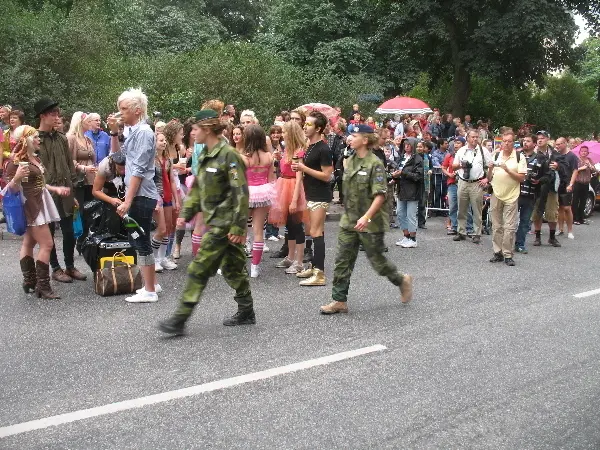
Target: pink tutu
(261,196)
(284,191)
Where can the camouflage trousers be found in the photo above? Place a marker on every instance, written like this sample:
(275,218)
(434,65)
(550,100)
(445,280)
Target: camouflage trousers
(347,252)
(217,252)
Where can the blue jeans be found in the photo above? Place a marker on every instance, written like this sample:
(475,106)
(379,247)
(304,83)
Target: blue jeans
(407,215)
(271,230)
(453,206)
(526,206)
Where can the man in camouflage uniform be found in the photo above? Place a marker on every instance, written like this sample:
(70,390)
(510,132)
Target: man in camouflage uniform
(363,222)
(221,193)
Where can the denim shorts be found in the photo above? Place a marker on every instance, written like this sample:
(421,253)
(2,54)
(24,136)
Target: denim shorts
(141,211)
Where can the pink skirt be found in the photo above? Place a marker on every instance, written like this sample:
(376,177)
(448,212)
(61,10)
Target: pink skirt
(261,196)
(284,192)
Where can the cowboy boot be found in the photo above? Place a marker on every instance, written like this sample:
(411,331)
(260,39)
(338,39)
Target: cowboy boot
(29,277)
(43,288)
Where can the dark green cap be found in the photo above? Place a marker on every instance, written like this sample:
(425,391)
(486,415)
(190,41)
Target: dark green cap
(206,114)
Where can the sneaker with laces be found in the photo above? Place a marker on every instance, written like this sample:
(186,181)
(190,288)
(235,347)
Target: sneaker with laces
(410,243)
(167,264)
(307,273)
(317,279)
(570,236)
(402,241)
(157,289)
(144,297)
(158,268)
(273,238)
(254,271)
(294,269)
(554,242)
(266,249)
(284,263)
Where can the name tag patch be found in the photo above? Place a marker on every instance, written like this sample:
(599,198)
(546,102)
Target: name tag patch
(211,169)
(362,172)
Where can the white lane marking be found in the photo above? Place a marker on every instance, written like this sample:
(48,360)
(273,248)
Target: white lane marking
(587,294)
(112,408)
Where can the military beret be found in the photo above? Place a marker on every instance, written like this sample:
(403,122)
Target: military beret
(205,114)
(361,128)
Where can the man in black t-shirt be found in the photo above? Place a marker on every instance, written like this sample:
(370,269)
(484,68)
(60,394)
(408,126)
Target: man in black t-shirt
(318,168)
(570,163)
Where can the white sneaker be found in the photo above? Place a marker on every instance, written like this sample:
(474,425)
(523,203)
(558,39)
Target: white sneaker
(157,289)
(266,249)
(294,269)
(571,236)
(144,297)
(168,264)
(158,268)
(219,272)
(402,241)
(254,271)
(273,238)
(409,244)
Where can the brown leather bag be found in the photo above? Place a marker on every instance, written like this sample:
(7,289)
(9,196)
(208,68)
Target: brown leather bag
(118,278)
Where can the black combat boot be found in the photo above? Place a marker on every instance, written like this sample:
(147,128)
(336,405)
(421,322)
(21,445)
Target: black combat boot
(174,325)
(241,318)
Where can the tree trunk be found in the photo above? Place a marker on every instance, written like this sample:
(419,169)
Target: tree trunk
(598,97)
(461,90)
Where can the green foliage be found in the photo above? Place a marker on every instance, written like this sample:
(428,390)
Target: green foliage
(565,107)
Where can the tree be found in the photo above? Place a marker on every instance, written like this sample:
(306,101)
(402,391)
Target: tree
(512,41)
(588,69)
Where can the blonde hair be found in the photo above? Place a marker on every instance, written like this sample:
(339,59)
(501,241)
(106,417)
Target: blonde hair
(251,114)
(24,136)
(294,139)
(216,105)
(137,99)
(76,128)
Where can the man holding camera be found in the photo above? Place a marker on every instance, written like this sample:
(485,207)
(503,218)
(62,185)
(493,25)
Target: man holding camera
(507,171)
(470,163)
(530,189)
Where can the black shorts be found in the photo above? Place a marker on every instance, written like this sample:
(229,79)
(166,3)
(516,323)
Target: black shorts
(565,199)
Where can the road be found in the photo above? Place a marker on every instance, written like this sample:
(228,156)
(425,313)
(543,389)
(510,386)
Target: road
(486,356)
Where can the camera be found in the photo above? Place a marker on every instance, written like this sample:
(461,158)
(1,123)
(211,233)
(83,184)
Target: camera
(467,166)
(157,114)
(390,168)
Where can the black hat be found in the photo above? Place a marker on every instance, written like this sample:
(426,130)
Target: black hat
(543,133)
(43,105)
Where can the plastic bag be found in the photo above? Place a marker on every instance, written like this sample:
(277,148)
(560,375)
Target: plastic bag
(12,204)
(77,224)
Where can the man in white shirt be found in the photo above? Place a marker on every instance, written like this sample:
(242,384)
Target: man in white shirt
(506,172)
(470,163)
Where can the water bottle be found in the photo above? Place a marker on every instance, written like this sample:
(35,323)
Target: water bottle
(130,222)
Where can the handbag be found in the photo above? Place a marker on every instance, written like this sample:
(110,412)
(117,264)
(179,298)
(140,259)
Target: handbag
(12,205)
(120,278)
(108,261)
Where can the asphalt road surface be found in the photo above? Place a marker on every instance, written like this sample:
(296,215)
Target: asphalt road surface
(486,356)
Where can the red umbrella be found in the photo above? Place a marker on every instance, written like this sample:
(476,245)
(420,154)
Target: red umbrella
(594,148)
(403,105)
(329,112)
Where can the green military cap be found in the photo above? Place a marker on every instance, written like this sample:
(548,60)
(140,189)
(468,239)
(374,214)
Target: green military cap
(205,114)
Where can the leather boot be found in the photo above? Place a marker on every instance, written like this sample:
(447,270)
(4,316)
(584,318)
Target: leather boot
(29,277)
(43,288)
(241,318)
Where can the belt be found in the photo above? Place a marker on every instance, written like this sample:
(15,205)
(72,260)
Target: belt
(471,181)
(288,177)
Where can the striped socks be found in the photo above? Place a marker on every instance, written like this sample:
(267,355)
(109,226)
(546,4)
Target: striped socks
(196,243)
(257,251)
(155,247)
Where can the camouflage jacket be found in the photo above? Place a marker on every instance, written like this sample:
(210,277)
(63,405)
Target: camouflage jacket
(220,190)
(363,180)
